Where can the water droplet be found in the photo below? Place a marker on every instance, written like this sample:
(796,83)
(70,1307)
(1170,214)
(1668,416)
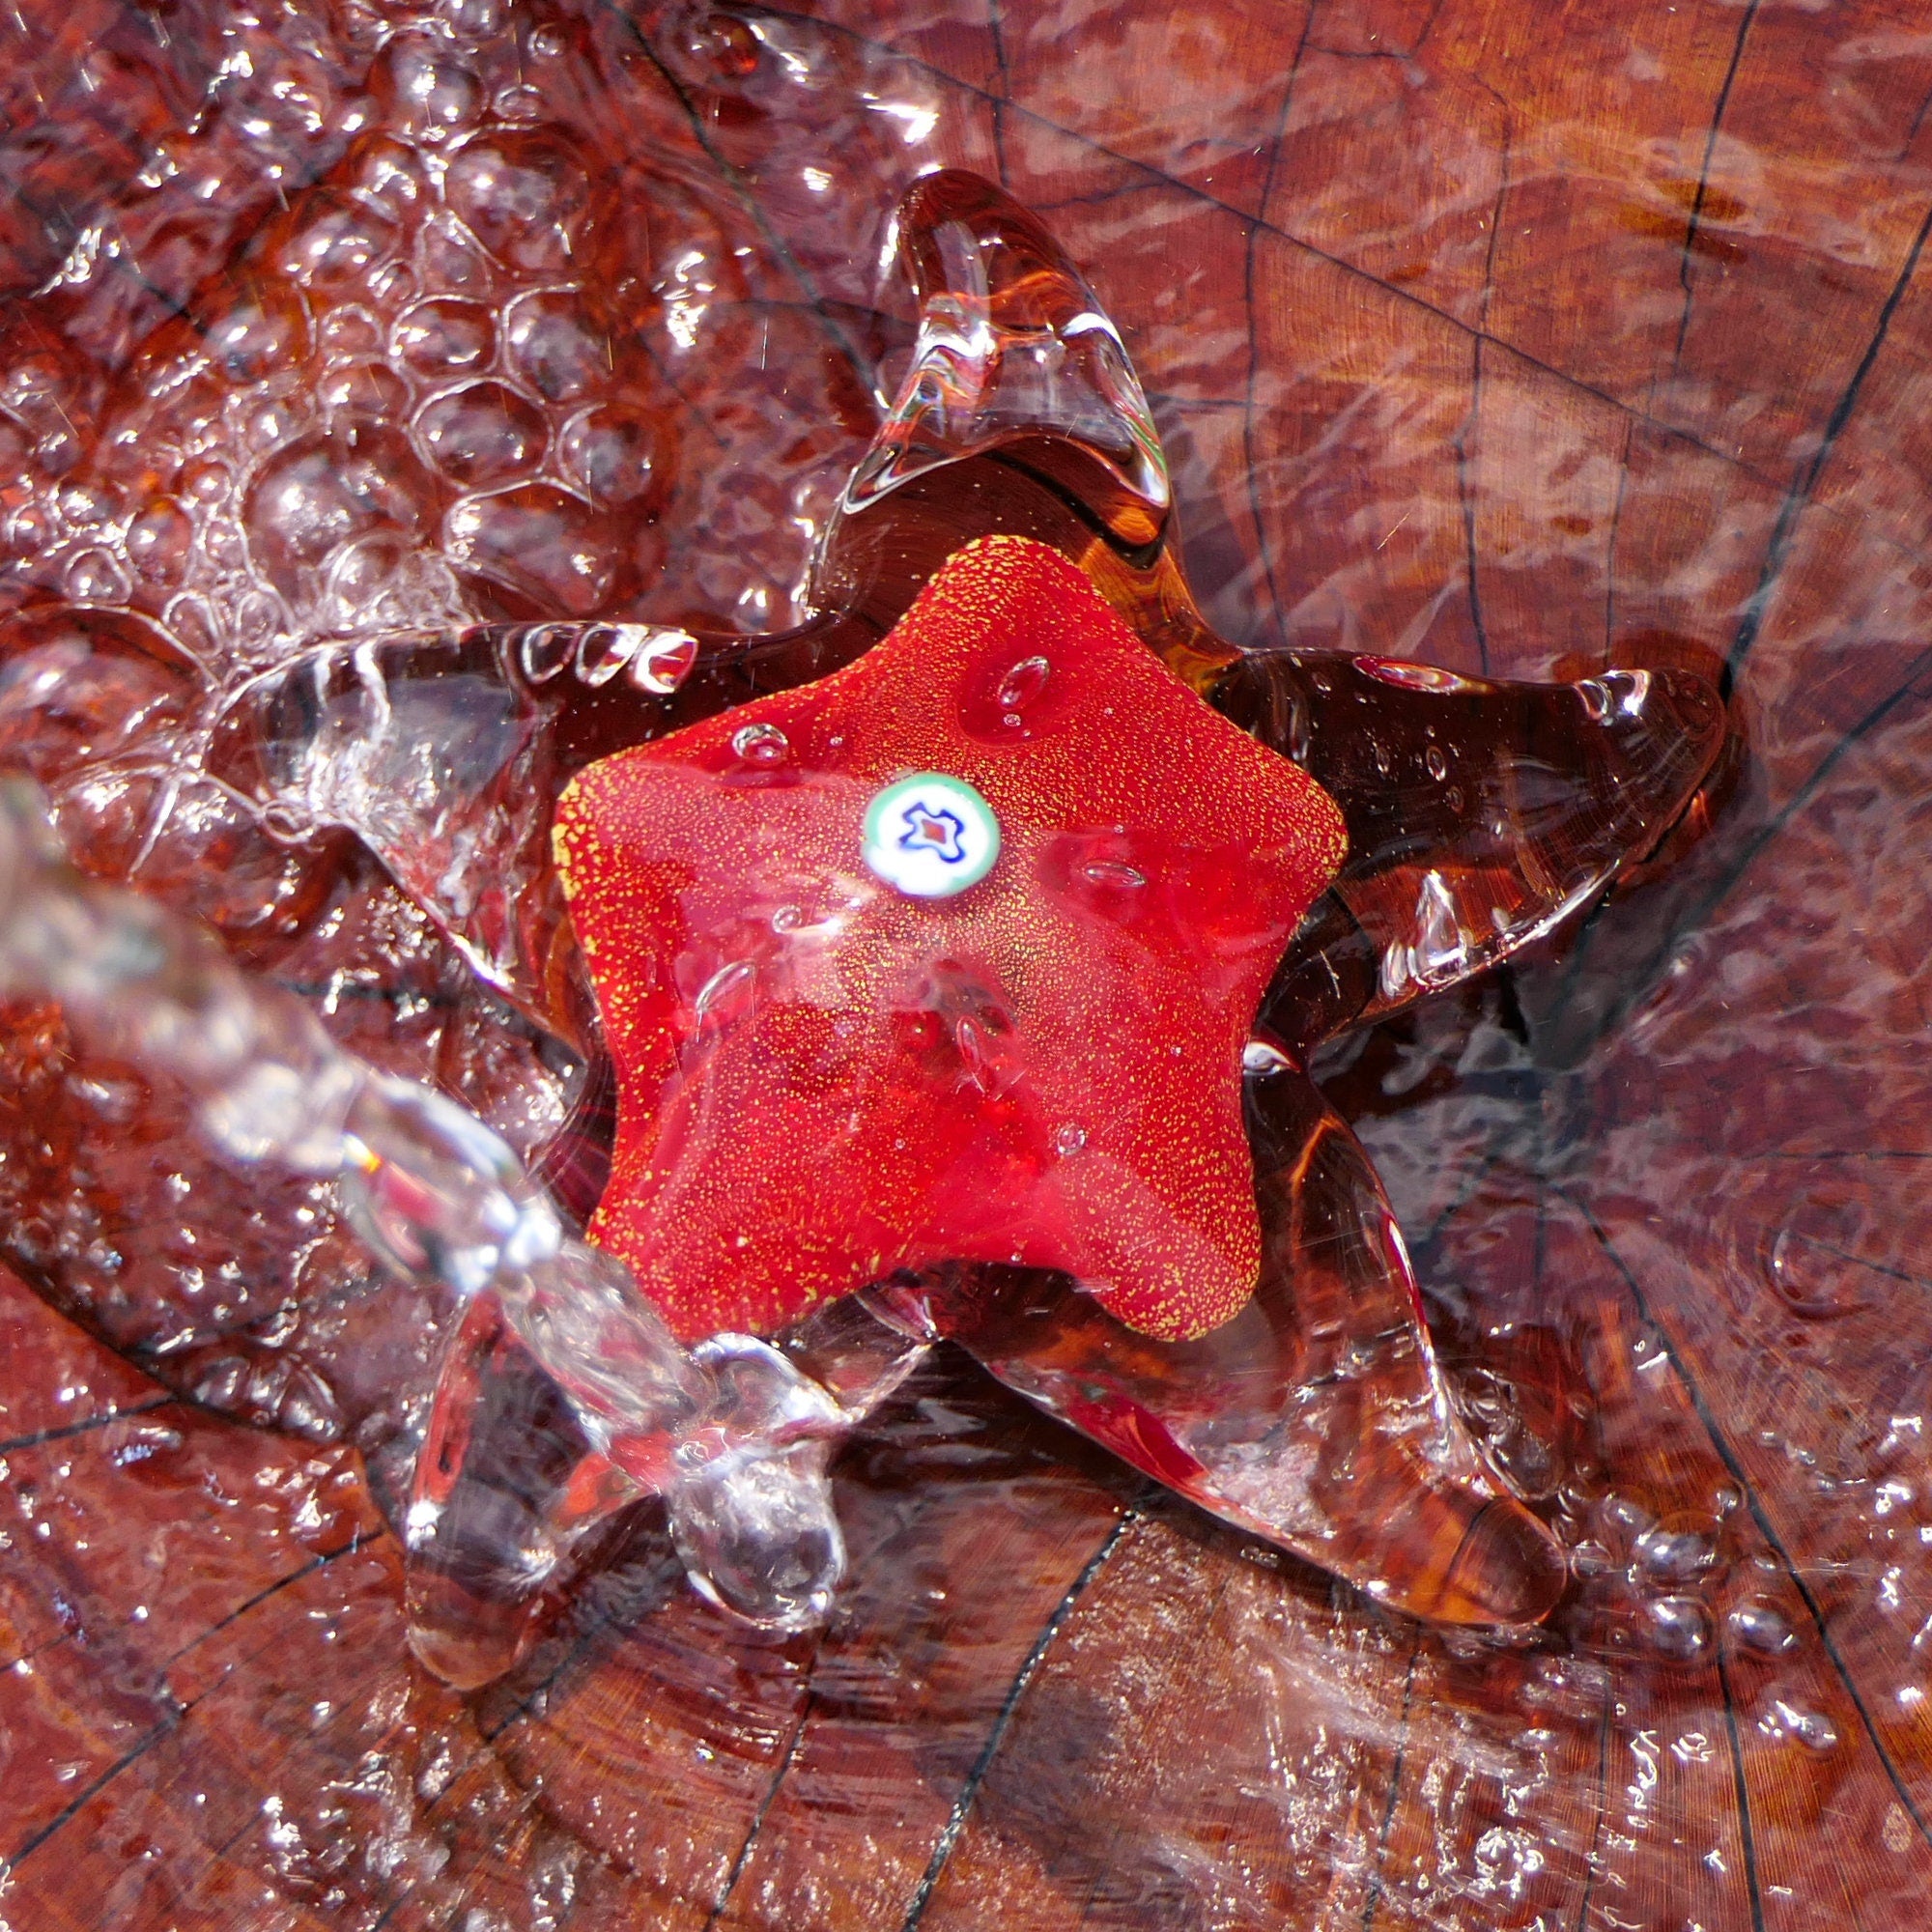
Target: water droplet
(1590,1559)
(254,331)
(443,335)
(1671,1555)
(426,90)
(551,347)
(761,745)
(327,490)
(519,104)
(475,19)
(727,994)
(1812,1729)
(349,331)
(1615,693)
(452,263)
(85,506)
(1762,1628)
(664,659)
(609,453)
(158,538)
(1023,684)
(533,537)
(544,649)
(1627,1514)
(30,529)
(1681,1628)
(389,174)
(1070,1139)
(980,1051)
(1814,1263)
(97,576)
(603,650)
(482,434)
(1411,677)
(338,243)
(368,390)
(525,195)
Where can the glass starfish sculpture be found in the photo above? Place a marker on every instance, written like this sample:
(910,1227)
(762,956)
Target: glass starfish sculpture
(960,955)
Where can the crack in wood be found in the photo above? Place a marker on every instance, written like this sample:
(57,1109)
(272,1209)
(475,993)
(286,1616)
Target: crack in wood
(969,1792)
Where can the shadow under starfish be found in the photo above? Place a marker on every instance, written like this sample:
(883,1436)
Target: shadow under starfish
(1479,814)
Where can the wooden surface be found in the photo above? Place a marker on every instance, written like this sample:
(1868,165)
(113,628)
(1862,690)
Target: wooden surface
(1504,334)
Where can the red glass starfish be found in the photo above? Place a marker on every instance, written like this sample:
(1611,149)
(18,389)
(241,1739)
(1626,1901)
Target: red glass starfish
(830,1072)
(915,1154)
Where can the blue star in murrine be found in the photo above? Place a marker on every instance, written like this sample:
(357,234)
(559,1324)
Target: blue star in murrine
(940,832)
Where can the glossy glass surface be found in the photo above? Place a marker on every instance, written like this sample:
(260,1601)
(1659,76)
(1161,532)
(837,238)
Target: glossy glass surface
(1516,344)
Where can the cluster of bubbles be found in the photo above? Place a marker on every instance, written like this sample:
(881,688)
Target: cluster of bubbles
(433,315)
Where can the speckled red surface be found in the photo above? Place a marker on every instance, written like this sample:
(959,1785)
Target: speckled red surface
(822,1080)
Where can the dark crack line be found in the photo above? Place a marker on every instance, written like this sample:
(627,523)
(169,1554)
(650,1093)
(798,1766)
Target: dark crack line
(1692,226)
(362,1539)
(67,1431)
(1610,544)
(793,1746)
(590,1633)
(1671,431)
(1408,296)
(1885,1268)
(1592,1856)
(1254,227)
(1638,982)
(808,1706)
(1725,1455)
(1427,1239)
(1460,445)
(1467,504)
(1464,489)
(996,29)
(248,1329)
(1101,197)
(132,1756)
(1101,1874)
(1906,146)
(1179,403)
(969,1792)
(1746,1833)
(735,180)
(44,1648)
(1751,620)
(1373,1900)
(1428,28)
(1846,1153)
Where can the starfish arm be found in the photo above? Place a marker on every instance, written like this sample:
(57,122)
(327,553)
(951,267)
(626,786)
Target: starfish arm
(1318,1418)
(511,1494)
(507,1488)
(1480,814)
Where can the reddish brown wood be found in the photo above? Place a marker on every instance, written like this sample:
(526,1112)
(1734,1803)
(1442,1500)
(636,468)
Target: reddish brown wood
(1504,334)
